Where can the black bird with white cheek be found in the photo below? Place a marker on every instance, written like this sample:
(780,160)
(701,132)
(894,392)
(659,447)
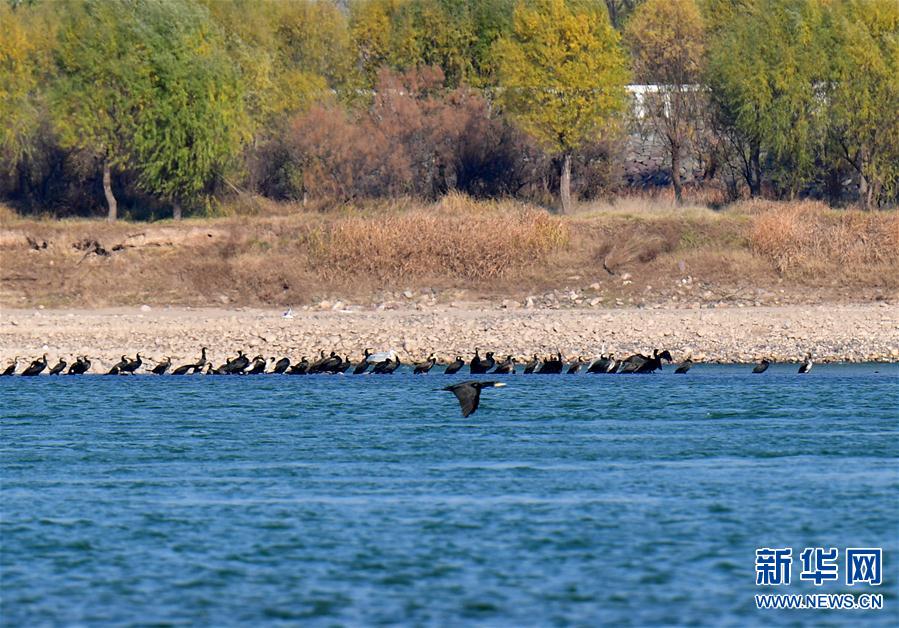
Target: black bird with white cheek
(469,394)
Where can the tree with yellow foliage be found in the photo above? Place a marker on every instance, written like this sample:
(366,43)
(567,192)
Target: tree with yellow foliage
(666,39)
(562,77)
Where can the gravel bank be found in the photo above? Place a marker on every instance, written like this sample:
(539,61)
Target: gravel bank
(857,333)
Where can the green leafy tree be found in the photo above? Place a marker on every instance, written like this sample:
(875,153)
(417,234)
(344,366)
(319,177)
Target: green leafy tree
(196,122)
(863,94)
(104,84)
(766,66)
(147,85)
(562,75)
(666,38)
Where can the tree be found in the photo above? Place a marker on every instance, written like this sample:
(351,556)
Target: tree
(146,85)
(666,38)
(765,70)
(863,93)
(103,84)
(196,120)
(562,77)
(25,44)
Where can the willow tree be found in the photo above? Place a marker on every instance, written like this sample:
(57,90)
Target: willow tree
(666,38)
(25,42)
(863,94)
(146,85)
(562,75)
(196,121)
(766,67)
(103,84)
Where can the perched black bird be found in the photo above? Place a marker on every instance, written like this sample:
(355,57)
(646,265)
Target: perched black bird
(552,365)
(162,367)
(239,364)
(58,367)
(477,366)
(186,368)
(386,367)
(684,366)
(603,364)
(343,367)
(469,394)
(195,367)
(36,367)
(80,366)
(234,367)
(807,365)
(532,366)
(258,366)
(455,366)
(11,369)
(281,366)
(574,368)
(300,368)
(117,369)
(422,368)
(364,364)
(506,367)
(762,366)
(132,365)
(640,363)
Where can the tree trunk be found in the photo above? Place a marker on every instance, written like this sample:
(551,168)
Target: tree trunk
(176,210)
(107,190)
(565,184)
(864,186)
(755,183)
(675,173)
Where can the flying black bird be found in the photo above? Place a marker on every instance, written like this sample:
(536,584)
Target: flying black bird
(469,394)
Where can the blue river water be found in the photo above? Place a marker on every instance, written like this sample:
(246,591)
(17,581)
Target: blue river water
(342,500)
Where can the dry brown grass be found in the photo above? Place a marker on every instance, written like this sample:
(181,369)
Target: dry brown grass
(456,238)
(807,239)
(287,254)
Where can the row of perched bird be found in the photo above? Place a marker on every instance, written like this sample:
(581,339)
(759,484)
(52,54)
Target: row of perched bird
(382,363)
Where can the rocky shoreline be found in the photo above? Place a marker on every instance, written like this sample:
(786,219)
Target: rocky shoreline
(853,333)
